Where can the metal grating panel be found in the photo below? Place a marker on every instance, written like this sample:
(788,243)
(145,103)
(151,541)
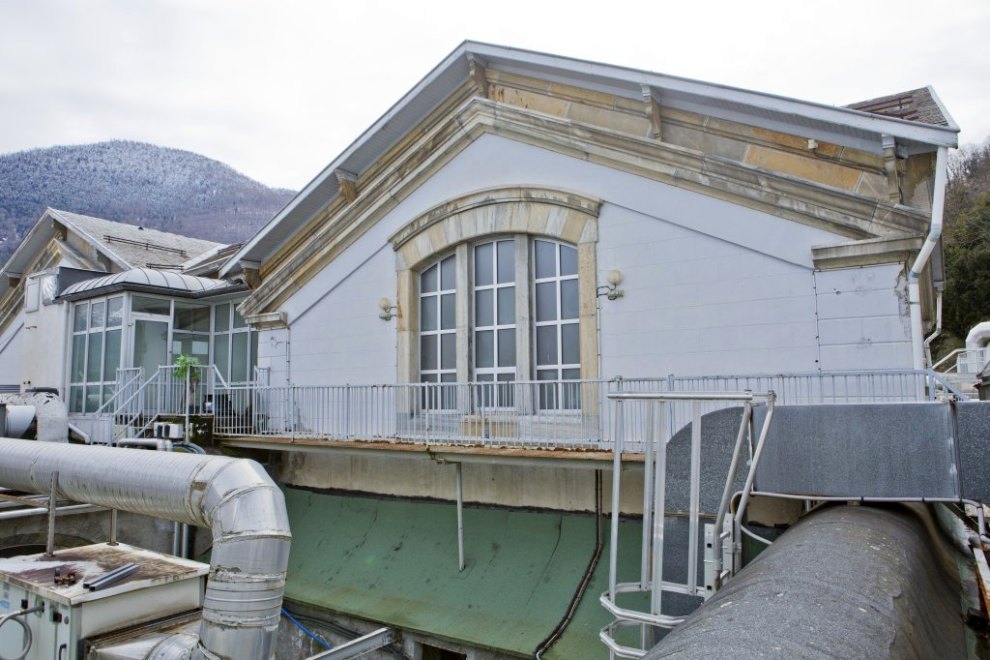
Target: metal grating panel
(900,451)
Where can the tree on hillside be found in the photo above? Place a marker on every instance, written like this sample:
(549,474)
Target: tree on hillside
(966,245)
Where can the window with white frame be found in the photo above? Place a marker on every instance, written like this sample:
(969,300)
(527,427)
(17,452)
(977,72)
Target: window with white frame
(235,346)
(535,319)
(191,331)
(494,333)
(438,322)
(556,321)
(96,351)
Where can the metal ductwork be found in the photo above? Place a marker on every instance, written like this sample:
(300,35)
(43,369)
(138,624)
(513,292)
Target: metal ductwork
(234,498)
(979,336)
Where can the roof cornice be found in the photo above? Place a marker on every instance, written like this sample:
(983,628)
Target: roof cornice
(456,69)
(338,225)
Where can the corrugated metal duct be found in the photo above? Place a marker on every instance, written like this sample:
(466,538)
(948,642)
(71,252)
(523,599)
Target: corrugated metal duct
(845,582)
(235,498)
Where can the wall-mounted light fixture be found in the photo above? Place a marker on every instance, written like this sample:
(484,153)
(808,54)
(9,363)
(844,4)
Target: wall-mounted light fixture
(611,290)
(388,309)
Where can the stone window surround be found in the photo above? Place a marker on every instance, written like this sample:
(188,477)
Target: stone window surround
(456,225)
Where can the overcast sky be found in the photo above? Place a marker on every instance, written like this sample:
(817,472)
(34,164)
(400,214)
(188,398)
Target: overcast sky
(278,89)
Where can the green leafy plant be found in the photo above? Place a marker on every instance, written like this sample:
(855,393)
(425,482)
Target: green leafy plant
(186,365)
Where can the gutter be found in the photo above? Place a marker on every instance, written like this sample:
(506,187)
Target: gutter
(234,498)
(934,233)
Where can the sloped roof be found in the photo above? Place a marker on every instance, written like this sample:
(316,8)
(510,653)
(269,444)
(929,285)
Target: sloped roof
(837,125)
(136,246)
(921,105)
(210,262)
(395,561)
(149,279)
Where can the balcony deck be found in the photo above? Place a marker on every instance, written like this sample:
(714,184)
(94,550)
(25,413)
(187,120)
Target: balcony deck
(549,418)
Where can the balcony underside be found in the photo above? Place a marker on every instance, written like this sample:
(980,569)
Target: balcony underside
(595,459)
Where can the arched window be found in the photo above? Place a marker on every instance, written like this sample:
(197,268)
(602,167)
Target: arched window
(523,315)
(498,286)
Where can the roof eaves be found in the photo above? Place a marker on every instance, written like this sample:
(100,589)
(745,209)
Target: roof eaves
(936,135)
(20,258)
(113,255)
(864,121)
(341,161)
(202,258)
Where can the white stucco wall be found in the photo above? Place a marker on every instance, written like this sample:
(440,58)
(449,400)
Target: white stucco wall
(45,347)
(696,304)
(863,318)
(711,287)
(341,329)
(11,349)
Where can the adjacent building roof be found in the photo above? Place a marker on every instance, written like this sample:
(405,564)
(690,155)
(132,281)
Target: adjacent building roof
(123,246)
(846,126)
(210,262)
(150,280)
(921,105)
(135,246)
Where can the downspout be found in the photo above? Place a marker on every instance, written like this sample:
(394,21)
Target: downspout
(234,498)
(934,233)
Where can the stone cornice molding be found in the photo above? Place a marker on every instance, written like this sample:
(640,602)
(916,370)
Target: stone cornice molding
(866,253)
(539,211)
(398,174)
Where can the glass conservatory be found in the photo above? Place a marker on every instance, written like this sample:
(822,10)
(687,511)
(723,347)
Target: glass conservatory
(128,327)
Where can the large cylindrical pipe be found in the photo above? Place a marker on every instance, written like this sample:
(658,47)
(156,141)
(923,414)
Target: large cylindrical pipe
(844,582)
(234,498)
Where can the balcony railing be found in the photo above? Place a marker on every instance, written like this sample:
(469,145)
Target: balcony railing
(532,414)
(535,414)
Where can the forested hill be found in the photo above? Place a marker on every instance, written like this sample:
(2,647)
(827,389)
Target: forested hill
(166,189)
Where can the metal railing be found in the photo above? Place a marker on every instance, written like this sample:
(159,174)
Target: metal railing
(642,420)
(879,386)
(542,414)
(137,403)
(531,414)
(969,361)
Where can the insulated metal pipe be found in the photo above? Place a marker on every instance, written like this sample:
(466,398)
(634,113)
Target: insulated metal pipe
(234,498)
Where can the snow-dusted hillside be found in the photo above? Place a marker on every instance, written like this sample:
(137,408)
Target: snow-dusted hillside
(167,189)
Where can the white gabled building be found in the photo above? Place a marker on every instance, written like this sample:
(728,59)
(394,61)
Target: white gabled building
(749,233)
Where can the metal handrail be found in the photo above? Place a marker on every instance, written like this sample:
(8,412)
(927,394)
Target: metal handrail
(523,413)
(121,389)
(655,468)
(946,358)
(218,376)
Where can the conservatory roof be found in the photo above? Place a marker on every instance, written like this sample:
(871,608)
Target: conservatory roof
(152,281)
